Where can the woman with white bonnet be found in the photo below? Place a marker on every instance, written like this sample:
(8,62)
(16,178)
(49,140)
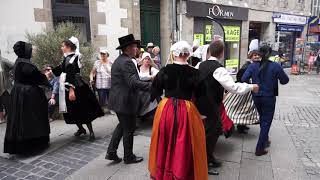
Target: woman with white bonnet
(100,77)
(76,101)
(178,145)
(147,72)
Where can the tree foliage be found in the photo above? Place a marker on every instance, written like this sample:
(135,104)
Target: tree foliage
(48,47)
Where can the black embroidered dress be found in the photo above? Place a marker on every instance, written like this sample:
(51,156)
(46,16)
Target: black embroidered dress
(85,108)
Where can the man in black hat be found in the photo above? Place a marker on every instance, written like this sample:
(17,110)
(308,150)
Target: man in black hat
(123,99)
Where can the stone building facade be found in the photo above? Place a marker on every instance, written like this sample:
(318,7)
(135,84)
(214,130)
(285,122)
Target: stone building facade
(153,21)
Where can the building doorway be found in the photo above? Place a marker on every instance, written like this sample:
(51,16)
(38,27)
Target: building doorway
(150,21)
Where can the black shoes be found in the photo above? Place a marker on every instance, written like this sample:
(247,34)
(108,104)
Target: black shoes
(92,137)
(80,132)
(113,157)
(261,152)
(133,159)
(214,163)
(213,172)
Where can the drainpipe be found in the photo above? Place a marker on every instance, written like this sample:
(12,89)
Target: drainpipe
(180,21)
(174,21)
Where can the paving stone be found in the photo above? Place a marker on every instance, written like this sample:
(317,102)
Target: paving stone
(32,177)
(36,170)
(253,169)
(48,165)
(252,156)
(21,174)
(59,177)
(3,169)
(71,171)
(64,170)
(11,170)
(43,178)
(56,168)
(9,178)
(2,175)
(27,167)
(50,174)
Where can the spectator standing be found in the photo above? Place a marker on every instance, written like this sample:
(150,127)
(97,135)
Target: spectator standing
(157,57)
(150,47)
(100,77)
(311,61)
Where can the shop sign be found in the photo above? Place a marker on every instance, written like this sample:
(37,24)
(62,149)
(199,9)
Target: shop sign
(200,38)
(232,65)
(208,36)
(217,11)
(232,33)
(289,28)
(289,19)
(201,9)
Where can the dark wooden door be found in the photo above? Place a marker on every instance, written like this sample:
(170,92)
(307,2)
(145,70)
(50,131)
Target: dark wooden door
(150,21)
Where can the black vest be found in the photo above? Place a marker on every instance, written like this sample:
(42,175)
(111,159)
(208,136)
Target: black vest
(209,94)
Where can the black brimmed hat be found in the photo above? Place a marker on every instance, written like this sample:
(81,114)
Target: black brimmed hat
(127,40)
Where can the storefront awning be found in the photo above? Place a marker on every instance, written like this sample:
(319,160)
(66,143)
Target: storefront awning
(289,28)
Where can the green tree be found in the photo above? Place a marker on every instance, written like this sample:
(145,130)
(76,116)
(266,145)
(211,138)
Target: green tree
(48,47)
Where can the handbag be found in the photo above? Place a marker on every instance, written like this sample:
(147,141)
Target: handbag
(241,109)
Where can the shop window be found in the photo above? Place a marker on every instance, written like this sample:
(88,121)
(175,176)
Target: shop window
(74,11)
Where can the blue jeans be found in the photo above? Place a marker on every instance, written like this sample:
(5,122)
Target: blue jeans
(103,96)
(266,107)
(51,108)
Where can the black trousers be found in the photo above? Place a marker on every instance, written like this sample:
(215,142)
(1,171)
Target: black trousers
(125,129)
(213,128)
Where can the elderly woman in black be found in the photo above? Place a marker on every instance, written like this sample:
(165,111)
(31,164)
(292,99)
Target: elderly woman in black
(76,101)
(28,125)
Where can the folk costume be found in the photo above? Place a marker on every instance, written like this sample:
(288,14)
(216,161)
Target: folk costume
(177,149)
(85,108)
(241,108)
(124,100)
(214,79)
(147,107)
(266,74)
(27,124)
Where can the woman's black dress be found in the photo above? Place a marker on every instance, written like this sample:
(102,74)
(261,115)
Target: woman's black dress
(85,108)
(28,126)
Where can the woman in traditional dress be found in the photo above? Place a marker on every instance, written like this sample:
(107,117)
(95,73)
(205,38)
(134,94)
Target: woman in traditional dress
(240,108)
(147,72)
(178,144)
(76,101)
(28,125)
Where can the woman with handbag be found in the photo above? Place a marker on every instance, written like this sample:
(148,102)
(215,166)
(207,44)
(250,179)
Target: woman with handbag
(100,77)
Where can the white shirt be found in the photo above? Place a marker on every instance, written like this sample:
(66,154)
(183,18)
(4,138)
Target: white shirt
(146,76)
(135,64)
(225,79)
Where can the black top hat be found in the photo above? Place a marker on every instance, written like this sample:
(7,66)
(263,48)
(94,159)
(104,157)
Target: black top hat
(127,40)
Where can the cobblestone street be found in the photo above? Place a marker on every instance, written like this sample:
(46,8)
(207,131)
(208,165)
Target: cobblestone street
(294,153)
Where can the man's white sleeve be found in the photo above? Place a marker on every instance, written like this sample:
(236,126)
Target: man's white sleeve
(225,79)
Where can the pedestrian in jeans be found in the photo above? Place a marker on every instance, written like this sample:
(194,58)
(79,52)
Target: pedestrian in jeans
(100,77)
(266,74)
(53,94)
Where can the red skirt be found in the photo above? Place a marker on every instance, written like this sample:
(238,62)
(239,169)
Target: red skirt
(177,148)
